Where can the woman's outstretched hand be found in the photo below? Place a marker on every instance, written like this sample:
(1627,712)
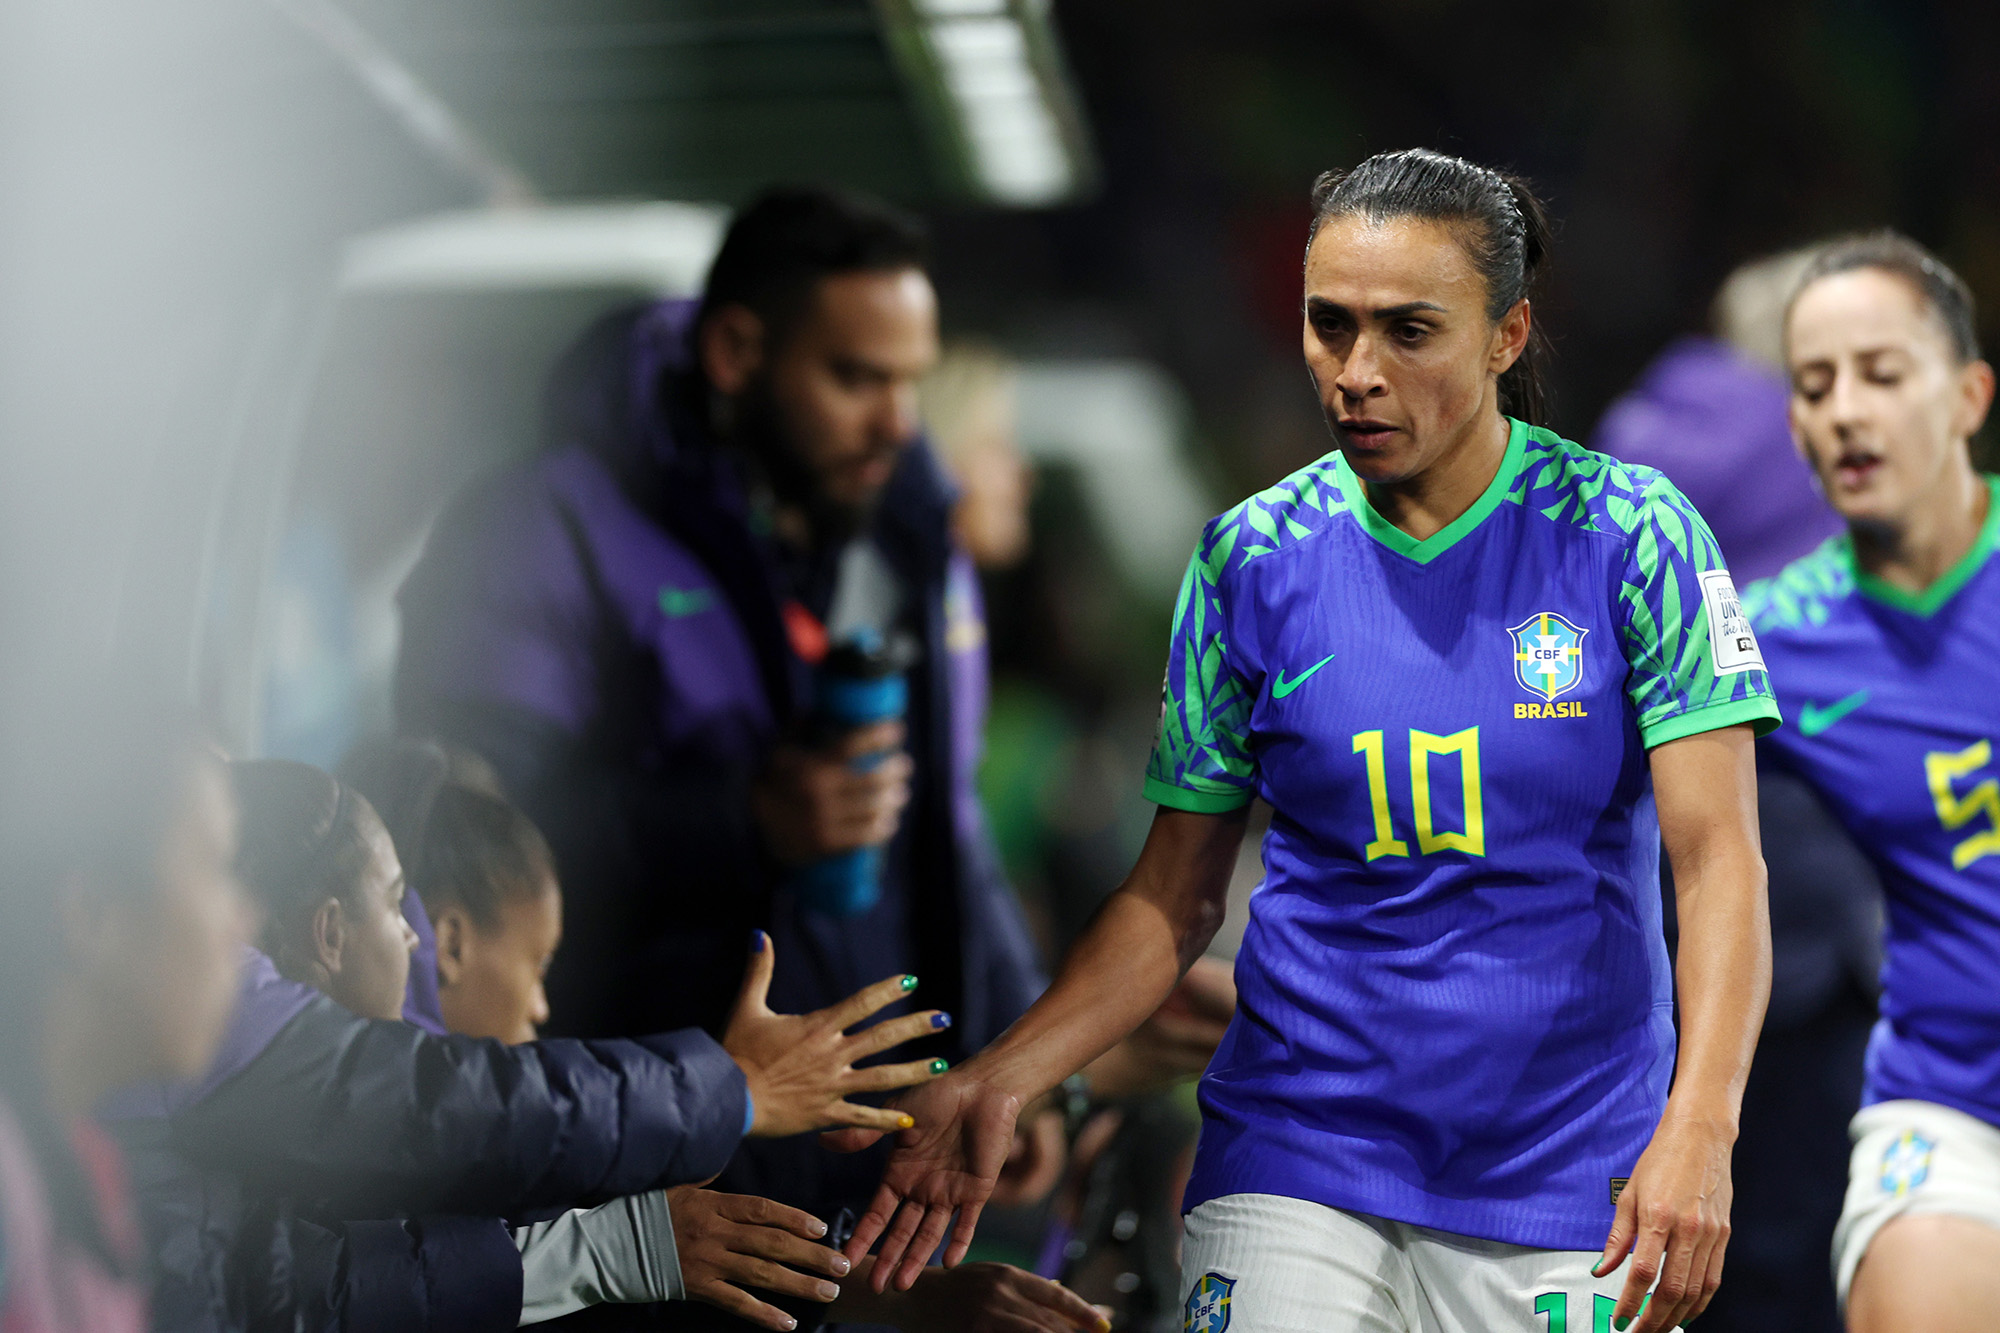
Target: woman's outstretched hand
(800,1067)
(949,1162)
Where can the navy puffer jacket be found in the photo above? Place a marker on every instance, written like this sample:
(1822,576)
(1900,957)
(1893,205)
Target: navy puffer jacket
(250,1183)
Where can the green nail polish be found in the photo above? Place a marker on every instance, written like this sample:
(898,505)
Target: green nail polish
(939,1066)
(1622,1323)
(909,983)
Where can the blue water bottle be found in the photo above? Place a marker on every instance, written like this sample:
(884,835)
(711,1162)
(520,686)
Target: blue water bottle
(860,683)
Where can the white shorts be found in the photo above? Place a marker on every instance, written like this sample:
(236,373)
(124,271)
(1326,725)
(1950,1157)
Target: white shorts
(1913,1157)
(1258,1263)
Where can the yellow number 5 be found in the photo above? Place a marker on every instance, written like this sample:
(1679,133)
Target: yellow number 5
(1464,744)
(1943,767)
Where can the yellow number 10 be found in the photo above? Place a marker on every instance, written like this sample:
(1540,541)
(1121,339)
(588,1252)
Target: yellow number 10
(1464,744)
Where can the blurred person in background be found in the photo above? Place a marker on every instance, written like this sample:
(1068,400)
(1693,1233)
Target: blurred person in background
(401,780)
(969,406)
(1711,413)
(487,881)
(1444,1101)
(1885,646)
(324,874)
(119,939)
(628,626)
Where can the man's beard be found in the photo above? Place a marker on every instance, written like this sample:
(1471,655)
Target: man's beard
(760,428)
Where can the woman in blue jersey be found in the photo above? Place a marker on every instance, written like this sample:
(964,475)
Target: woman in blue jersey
(1886,643)
(1463,660)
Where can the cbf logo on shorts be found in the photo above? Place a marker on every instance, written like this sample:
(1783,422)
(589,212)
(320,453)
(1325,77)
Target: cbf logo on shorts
(1208,1304)
(1548,654)
(1907,1164)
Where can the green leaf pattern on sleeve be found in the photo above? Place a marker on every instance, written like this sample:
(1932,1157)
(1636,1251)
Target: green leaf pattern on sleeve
(1665,628)
(1201,760)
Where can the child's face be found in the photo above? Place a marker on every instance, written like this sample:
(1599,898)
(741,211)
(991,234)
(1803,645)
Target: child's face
(375,942)
(490,981)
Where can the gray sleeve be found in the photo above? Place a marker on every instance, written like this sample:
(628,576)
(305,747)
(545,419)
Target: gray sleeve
(622,1251)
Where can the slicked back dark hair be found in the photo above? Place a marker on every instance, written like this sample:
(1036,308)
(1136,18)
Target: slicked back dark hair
(304,837)
(1498,221)
(462,842)
(783,242)
(480,852)
(1943,293)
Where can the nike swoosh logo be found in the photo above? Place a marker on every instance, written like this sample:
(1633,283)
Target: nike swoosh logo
(679,602)
(1282,687)
(1814,719)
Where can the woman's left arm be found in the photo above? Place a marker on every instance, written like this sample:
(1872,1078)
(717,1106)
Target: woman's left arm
(1673,1216)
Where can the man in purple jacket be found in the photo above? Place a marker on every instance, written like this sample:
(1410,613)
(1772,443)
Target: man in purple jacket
(626,626)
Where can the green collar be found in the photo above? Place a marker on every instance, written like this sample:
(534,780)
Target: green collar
(1435,545)
(1928,602)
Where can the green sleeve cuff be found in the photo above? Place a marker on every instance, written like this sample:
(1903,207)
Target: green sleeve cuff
(1195,802)
(1761,712)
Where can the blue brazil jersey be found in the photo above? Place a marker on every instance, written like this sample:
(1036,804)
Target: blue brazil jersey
(1896,700)
(1455,1004)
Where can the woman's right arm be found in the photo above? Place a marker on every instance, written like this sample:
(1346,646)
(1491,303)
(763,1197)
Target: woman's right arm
(1117,973)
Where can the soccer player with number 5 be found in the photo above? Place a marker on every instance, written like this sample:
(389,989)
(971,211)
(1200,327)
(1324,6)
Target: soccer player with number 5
(1464,660)
(1886,642)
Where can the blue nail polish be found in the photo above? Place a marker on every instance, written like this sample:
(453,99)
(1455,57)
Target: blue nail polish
(758,939)
(940,1020)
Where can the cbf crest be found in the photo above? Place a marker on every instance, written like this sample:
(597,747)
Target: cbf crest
(1208,1304)
(1907,1163)
(1548,654)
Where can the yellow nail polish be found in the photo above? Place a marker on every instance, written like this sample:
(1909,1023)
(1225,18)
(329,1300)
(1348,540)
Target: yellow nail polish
(906,1122)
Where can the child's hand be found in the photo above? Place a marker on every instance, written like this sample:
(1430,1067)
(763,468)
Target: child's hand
(801,1066)
(972,1298)
(730,1241)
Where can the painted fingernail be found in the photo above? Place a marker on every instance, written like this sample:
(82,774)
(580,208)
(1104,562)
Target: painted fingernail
(939,1066)
(905,1122)
(1622,1323)
(840,1264)
(790,1324)
(818,1230)
(940,1020)
(827,1291)
(758,939)
(909,983)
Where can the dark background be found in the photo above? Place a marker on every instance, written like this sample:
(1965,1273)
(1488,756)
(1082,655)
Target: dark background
(1671,141)
(177,178)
